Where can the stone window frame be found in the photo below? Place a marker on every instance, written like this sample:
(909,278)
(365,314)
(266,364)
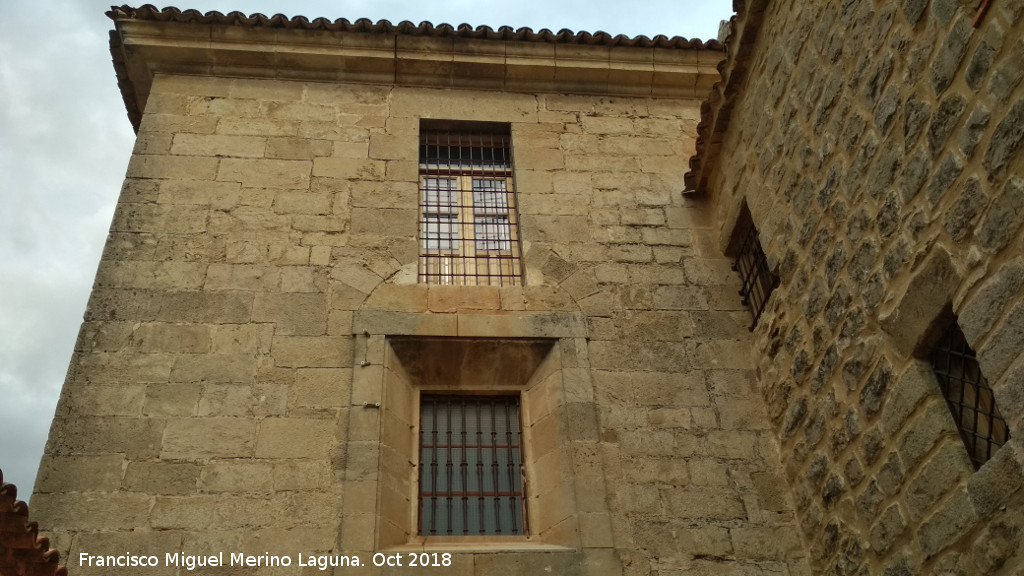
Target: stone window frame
(465,197)
(569,433)
(547,468)
(919,319)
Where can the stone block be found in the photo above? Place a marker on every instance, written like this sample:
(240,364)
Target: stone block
(287,541)
(216,145)
(1003,348)
(163,478)
(1004,216)
(948,524)
(90,511)
(681,298)
(350,149)
(295,438)
(889,527)
(197,438)
(266,173)
(257,126)
(934,423)
(743,414)
(298,148)
(184,512)
(732,444)
(301,314)
(171,399)
(312,351)
(941,472)
(767,543)
(104,400)
(162,219)
(913,386)
(214,368)
(349,168)
(1007,140)
(134,437)
(927,295)
(302,475)
(993,484)
(100,473)
(399,298)
(173,167)
(704,505)
(302,202)
(156,337)
(405,323)
(252,339)
(243,399)
(456,298)
(321,388)
(177,123)
(203,307)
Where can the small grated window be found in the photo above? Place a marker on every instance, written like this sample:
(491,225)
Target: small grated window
(752,265)
(469,232)
(471,459)
(970,399)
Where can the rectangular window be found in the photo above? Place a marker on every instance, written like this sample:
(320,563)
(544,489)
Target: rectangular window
(468,224)
(970,399)
(758,279)
(471,458)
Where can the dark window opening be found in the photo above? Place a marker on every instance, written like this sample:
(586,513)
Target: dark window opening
(471,458)
(758,280)
(982,428)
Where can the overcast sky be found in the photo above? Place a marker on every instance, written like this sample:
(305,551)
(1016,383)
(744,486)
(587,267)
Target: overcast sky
(65,141)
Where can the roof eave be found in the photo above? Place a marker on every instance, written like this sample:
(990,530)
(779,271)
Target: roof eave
(166,42)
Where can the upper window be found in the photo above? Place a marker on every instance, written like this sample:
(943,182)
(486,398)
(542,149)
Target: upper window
(970,399)
(468,229)
(758,279)
(471,466)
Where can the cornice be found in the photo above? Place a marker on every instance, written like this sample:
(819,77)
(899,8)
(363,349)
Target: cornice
(146,42)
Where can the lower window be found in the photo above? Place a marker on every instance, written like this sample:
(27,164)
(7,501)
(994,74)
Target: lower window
(471,466)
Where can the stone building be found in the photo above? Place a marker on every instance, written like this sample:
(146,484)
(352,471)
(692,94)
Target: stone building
(431,290)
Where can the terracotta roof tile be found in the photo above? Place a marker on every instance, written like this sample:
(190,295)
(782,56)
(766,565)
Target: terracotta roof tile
(22,551)
(715,112)
(525,34)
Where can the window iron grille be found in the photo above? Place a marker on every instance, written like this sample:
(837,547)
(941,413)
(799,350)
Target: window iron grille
(468,227)
(471,458)
(758,280)
(970,399)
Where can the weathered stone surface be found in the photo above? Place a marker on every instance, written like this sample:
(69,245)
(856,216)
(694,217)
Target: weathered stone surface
(951,520)
(1004,217)
(980,313)
(1006,141)
(948,59)
(960,218)
(944,120)
(926,296)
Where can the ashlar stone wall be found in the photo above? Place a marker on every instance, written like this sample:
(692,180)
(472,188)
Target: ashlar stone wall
(236,387)
(879,147)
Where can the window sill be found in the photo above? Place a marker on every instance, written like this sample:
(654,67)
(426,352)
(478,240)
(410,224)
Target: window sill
(477,545)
